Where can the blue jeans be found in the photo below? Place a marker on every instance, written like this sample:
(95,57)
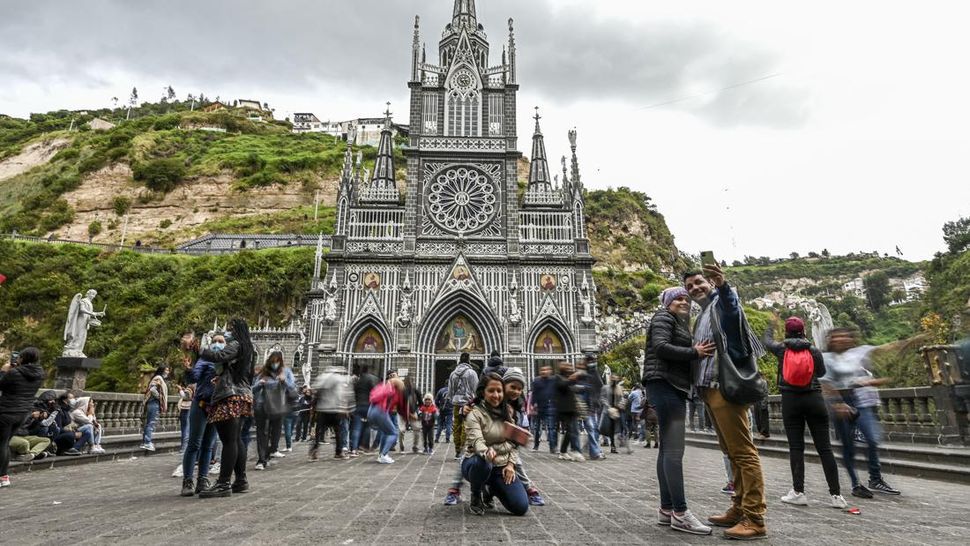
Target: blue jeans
(671,407)
(198,445)
(386,424)
(570,423)
(869,426)
(345,433)
(481,473)
(246,433)
(444,424)
(288,423)
(152,410)
(183,428)
(552,429)
(360,429)
(87,437)
(592,437)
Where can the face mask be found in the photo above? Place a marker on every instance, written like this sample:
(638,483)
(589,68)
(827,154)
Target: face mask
(217,346)
(274,367)
(228,336)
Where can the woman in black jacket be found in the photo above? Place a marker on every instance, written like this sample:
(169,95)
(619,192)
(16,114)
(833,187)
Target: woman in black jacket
(802,403)
(232,399)
(19,382)
(670,353)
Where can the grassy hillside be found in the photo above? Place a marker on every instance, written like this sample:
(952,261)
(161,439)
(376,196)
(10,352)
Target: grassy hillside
(150,299)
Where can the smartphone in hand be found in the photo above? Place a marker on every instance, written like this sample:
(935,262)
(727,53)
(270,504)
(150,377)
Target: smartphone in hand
(707,258)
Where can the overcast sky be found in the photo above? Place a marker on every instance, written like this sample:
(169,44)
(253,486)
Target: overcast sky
(758,127)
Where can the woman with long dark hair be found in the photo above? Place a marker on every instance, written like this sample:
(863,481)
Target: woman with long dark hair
(670,353)
(156,402)
(490,457)
(19,382)
(232,399)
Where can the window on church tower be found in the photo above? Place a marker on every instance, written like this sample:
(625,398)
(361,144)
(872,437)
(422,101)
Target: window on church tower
(430,114)
(496,105)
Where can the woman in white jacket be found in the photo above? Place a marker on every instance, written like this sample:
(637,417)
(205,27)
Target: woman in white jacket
(84,417)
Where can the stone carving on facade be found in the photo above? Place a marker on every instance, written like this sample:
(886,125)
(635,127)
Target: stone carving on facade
(585,299)
(404,315)
(80,317)
(515,314)
(330,304)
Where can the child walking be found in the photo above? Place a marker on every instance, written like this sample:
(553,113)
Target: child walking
(428,413)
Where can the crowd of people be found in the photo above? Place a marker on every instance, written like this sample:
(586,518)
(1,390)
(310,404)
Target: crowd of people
(492,416)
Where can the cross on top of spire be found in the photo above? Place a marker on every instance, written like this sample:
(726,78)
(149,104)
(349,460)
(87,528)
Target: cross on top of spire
(537,118)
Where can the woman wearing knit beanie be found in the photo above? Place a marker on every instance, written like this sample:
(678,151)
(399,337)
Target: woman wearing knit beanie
(667,376)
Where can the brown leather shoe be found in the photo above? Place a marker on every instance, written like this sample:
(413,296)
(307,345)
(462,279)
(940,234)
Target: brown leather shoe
(729,519)
(747,529)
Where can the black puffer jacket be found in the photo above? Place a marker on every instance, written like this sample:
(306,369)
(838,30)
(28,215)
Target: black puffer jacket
(19,387)
(235,376)
(670,351)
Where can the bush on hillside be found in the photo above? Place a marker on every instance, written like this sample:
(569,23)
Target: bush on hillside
(161,175)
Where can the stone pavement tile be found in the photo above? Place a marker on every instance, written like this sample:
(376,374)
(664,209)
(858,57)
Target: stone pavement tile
(332,502)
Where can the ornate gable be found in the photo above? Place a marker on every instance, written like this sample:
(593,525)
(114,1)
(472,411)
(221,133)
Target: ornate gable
(460,278)
(370,308)
(548,309)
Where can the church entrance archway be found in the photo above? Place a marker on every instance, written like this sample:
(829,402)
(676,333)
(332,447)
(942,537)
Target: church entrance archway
(369,350)
(462,325)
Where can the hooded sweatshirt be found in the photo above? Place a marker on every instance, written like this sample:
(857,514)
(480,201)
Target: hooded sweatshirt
(19,387)
(462,384)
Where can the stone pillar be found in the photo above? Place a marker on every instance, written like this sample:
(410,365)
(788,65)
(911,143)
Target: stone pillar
(72,372)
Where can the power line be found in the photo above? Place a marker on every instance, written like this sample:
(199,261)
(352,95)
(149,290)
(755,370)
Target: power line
(714,92)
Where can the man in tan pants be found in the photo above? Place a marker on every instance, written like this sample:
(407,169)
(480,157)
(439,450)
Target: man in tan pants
(746,517)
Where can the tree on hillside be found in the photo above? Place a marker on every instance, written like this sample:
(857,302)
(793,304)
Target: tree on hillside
(132,101)
(825,253)
(794,255)
(878,290)
(114,103)
(170,93)
(956,234)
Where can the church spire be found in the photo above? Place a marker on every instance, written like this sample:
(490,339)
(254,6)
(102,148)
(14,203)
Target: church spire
(417,52)
(465,15)
(539,170)
(577,182)
(383,187)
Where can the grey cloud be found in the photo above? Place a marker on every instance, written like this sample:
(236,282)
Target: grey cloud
(565,55)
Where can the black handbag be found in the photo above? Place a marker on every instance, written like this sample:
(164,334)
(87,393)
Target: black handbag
(606,423)
(274,399)
(739,381)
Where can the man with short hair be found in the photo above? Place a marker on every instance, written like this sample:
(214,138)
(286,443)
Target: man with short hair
(461,387)
(445,415)
(543,394)
(746,517)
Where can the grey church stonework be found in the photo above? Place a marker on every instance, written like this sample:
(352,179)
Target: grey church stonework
(455,261)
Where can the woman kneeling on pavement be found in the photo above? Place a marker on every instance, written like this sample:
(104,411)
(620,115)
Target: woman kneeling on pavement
(670,352)
(490,461)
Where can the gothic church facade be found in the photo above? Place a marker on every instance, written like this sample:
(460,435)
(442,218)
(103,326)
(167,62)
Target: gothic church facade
(455,258)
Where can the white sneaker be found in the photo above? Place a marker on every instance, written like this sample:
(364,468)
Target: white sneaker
(565,457)
(97,450)
(793,497)
(4,481)
(578,457)
(688,523)
(214,468)
(178,473)
(260,466)
(838,501)
(287,450)
(277,455)
(385,459)
(149,447)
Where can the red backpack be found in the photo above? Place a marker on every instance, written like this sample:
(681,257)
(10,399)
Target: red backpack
(798,367)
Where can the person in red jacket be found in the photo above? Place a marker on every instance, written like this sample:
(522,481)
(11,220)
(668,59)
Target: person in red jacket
(428,413)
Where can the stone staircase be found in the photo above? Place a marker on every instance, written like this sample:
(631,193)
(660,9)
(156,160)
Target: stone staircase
(116,447)
(946,463)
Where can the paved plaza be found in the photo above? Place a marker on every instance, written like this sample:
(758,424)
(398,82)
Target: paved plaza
(361,502)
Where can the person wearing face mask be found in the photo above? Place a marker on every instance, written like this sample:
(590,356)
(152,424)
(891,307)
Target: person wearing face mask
(155,403)
(270,407)
(231,403)
(198,444)
(670,352)
(18,384)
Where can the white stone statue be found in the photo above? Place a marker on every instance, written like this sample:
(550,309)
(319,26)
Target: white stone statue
(404,315)
(330,308)
(80,317)
(515,314)
(587,317)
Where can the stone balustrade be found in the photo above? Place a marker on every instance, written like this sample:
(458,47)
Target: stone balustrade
(919,415)
(124,413)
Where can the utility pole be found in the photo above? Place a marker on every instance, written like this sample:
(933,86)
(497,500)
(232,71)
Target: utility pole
(316,205)
(124,231)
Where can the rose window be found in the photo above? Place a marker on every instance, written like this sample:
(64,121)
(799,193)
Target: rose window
(461,200)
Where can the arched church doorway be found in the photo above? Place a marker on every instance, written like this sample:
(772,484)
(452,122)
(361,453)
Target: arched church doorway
(369,351)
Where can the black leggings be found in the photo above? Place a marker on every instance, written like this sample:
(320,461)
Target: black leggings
(233,451)
(799,409)
(9,423)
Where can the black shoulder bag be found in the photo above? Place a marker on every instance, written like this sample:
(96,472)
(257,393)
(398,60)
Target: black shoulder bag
(739,381)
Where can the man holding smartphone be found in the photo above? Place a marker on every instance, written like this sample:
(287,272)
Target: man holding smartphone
(745,519)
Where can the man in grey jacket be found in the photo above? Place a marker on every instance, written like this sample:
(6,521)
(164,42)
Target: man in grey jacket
(334,403)
(461,388)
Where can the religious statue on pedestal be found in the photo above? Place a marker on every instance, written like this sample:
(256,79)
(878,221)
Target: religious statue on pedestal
(80,317)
